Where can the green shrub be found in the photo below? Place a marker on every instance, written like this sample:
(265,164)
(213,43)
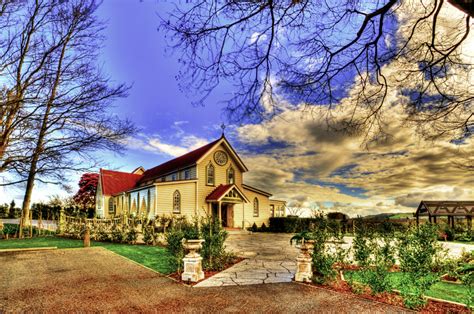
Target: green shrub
(417,251)
(131,235)
(362,243)
(294,224)
(374,251)
(263,228)
(213,249)
(450,233)
(10,229)
(191,230)
(254,227)
(174,237)
(102,234)
(148,234)
(117,234)
(325,259)
(465,237)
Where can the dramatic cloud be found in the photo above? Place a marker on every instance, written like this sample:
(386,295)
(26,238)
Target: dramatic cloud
(306,155)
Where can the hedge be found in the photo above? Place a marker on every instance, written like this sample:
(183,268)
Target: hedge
(290,224)
(12,230)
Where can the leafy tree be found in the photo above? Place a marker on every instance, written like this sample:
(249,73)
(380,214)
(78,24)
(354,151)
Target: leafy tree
(85,197)
(4,210)
(12,210)
(374,54)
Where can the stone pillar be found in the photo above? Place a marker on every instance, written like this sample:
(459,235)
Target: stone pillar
(304,270)
(192,261)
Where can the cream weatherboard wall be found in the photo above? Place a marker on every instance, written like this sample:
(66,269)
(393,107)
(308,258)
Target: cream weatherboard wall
(263,209)
(165,193)
(220,175)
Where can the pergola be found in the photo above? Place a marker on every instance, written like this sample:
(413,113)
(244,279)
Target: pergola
(450,209)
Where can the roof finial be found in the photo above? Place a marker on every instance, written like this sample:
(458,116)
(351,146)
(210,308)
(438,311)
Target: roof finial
(223,128)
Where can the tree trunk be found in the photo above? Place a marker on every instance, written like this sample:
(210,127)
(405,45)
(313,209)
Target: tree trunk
(40,142)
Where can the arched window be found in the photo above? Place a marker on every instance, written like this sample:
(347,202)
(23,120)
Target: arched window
(176,202)
(111,205)
(210,174)
(255,207)
(230,176)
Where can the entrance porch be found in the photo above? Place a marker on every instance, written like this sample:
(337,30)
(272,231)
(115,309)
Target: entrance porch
(224,202)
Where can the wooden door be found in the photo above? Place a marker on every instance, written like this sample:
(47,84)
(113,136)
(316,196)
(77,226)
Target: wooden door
(230,216)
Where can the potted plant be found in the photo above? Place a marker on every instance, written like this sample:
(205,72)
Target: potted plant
(303,240)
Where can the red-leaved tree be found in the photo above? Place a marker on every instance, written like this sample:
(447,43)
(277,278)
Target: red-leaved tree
(85,197)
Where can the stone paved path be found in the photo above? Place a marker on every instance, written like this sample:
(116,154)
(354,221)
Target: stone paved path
(270,259)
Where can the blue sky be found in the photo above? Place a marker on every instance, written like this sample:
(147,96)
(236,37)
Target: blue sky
(291,155)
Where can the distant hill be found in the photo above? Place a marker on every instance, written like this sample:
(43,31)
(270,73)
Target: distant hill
(384,216)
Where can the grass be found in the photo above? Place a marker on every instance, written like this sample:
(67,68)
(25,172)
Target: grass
(402,216)
(154,257)
(441,290)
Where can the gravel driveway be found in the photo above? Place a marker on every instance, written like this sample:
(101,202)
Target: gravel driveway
(96,279)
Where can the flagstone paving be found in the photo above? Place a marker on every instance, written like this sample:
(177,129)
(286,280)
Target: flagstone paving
(269,259)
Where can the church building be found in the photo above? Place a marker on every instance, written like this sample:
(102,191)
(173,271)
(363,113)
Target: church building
(205,181)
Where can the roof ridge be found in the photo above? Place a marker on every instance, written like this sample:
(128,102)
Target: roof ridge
(179,162)
(130,173)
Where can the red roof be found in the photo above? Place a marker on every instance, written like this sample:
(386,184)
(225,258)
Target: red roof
(181,162)
(114,182)
(219,192)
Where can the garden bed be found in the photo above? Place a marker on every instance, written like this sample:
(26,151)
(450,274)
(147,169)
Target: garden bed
(176,276)
(393,298)
(448,291)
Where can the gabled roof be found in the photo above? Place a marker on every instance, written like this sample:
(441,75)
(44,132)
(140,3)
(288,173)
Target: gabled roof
(251,188)
(226,143)
(446,208)
(114,182)
(181,162)
(219,192)
(187,160)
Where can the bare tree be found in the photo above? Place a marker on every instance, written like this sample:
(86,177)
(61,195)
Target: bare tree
(295,210)
(320,52)
(67,113)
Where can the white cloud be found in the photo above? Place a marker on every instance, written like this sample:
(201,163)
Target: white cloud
(155,144)
(257,37)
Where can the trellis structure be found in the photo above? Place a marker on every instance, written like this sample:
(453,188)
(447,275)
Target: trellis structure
(450,209)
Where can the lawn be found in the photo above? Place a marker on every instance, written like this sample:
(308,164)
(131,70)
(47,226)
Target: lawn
(441,290)
(154,257)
